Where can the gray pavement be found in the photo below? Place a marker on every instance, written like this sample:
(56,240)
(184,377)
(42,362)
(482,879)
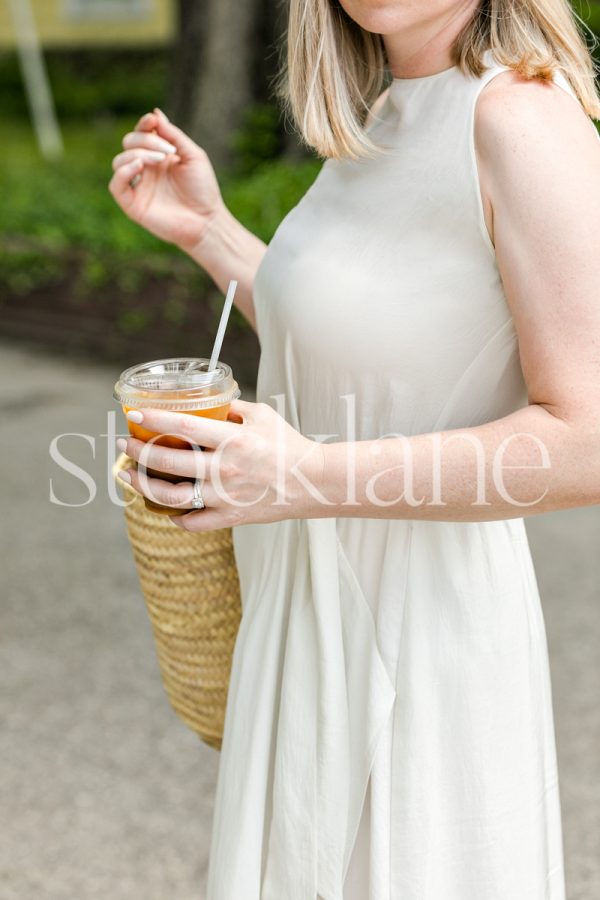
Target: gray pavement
(103,793)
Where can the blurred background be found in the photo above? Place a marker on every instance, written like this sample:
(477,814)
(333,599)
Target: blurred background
(103,792)
(75,274)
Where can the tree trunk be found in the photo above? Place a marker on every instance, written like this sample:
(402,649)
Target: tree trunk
(274,25)
(186,63)
(271,32)
(226,57)
(226,87)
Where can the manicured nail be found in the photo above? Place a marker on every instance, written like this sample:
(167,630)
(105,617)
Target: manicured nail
(121,444)
(174,521)
(155,155)
(166,147)
(134,415)
(125,476)
(163,114)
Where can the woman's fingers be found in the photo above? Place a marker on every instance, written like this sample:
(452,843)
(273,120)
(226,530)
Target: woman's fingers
(204,520)
(152,157)
(186,147)
(149,141)
(248,410)
(147,122)
(156,121)
(187,463)
(199,430)
(179,496)
(119,185)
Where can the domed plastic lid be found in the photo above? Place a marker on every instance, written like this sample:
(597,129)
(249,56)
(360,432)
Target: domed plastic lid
(182,384)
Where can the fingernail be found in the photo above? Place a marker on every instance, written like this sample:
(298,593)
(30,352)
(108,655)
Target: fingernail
(163,114)
(134,415)
(156,155)
(121,444)
(174,521)
(125,476)
(166,147)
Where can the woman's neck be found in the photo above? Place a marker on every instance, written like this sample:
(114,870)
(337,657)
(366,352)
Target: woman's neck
(427,49)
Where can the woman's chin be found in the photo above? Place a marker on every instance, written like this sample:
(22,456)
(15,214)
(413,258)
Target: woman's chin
(381,16)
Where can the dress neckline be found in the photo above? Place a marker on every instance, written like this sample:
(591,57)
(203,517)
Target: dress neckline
(421,78)
(404,84)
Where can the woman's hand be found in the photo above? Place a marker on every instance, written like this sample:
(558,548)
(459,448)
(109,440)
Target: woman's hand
(176,196)
(255,469)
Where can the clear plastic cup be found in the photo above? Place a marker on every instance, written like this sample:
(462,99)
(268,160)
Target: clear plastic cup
(182,384)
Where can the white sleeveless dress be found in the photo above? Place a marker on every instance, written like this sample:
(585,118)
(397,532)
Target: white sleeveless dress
(389,728)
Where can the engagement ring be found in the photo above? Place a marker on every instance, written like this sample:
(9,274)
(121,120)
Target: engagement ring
(197,502)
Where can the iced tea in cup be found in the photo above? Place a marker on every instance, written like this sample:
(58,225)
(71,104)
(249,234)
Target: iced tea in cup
(183,384)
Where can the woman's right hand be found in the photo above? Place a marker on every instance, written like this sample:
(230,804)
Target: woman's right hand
(177,195)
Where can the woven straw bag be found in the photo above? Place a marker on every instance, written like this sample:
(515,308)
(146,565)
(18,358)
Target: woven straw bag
(191,589)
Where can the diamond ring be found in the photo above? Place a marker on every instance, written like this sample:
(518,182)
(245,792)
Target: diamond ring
(197,501)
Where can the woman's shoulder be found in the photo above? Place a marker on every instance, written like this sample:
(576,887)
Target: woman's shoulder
(513,111)
(538,152)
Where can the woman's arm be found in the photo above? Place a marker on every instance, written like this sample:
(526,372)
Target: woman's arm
(539,159)
(228,250)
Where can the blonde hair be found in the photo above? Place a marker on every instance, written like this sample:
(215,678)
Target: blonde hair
(335,69)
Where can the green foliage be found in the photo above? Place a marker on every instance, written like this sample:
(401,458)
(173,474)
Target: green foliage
(59,223)
(262,200)
(24,266)
(64,242)
(589,12)
(174,309)
(91,83)
(133,321)
(68,202)
(260,138)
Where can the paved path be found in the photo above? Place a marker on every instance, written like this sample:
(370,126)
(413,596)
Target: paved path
(103,794)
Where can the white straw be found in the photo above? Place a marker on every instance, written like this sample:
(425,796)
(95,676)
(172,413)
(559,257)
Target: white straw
(222,326)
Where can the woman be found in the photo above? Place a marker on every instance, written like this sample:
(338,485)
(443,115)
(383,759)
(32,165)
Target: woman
(389,730)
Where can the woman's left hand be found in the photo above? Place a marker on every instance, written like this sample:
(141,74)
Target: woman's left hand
(254,468)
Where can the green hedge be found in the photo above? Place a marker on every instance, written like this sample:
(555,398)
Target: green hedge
(59,220)
(90,83)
